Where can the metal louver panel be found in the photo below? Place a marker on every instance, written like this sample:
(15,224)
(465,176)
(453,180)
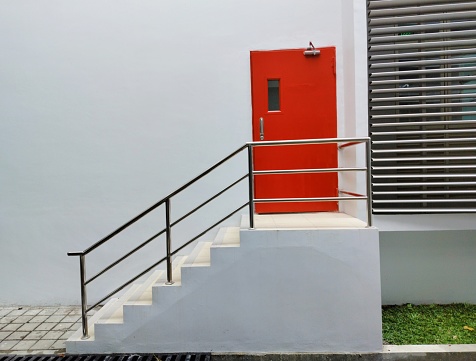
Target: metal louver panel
(422,105)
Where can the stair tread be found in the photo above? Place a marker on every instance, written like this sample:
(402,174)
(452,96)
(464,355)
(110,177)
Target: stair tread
(146,288)
(227,237)
(200,255)
(176,271)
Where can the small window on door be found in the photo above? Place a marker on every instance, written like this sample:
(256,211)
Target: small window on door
(273,95)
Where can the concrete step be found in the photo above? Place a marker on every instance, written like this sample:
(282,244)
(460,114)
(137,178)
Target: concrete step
(200,255)
(143,294)
(77,336)
(227,237)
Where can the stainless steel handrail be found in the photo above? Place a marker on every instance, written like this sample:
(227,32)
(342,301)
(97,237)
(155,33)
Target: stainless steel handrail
(342,143)
(84,281)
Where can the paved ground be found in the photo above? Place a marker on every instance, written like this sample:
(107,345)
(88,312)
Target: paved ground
(37,330)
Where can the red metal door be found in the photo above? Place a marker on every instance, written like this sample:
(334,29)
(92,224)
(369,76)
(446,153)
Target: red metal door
(294,97)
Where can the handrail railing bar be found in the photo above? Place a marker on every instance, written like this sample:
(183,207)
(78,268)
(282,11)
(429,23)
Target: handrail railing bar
(208,229)
(251,186)
(126,284)
(349,144)
(351,193)
(157,204)
(124,257)
(310,170)
(208,201)
(308,141)
(318,199)
(368,182)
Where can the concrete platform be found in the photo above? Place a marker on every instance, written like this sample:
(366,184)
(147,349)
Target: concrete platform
(304,221)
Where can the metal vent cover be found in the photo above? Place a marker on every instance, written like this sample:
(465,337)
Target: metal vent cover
(422,105)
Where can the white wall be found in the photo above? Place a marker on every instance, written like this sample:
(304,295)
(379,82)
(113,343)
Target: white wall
(107,106)
(428,266)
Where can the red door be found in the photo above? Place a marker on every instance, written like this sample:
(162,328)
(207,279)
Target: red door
(294,97)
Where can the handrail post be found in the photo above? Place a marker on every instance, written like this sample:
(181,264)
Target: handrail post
(168,238)
(368,161)
(84,298)
(251,186)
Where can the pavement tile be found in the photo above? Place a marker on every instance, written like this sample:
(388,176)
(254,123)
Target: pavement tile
(53,335)
(5,311)
(42,345)
(11,327)
(77,311)
(45,326)
(28,327)
(17,312)
(62,311)
(7,345)
(63,326)
(17,335)
(23,345)
(7,319)
(23,319)
(55,318)
(58,344)
(36,335)
(39,318)
(67,335)
(4,335)
(32,312)
(48,311)
(74,318)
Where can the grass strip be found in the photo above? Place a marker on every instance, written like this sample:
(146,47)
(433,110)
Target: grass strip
(429,324)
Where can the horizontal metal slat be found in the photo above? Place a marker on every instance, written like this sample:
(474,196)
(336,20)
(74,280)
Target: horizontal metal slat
(445,192)
(402,73)
(398,107)
(422,28)
(426,150)
(444,88)
(424,80)
(428,36)
(424,166)
(424,123)
(459,15)
(422,115)
(422,45)
(423,159)
(424,210)
(425,200)
(420,54)
(438,140)
(422,175)
(426,63)
(422,8)
(426,132)
(423,97)
(419,184)
(385,4)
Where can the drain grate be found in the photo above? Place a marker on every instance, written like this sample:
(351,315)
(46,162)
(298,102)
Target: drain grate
(118,357)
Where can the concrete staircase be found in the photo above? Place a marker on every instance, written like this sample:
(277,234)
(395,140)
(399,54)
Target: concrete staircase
(294,289)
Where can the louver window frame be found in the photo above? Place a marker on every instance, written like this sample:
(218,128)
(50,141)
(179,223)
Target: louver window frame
(422,105)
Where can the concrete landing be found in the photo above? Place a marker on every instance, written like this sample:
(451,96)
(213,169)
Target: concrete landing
(304,221)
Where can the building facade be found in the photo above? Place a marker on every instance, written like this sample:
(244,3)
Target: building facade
(109,106)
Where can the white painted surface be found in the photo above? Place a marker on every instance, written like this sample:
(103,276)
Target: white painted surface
(109,106)
(291,290)
(428,267)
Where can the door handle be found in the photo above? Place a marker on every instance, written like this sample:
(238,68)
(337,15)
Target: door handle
(261,128)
